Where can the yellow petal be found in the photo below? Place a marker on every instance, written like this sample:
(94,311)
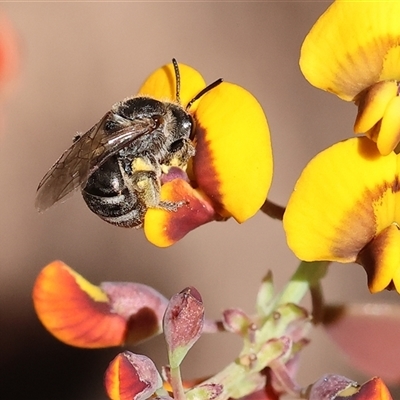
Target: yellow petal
(372,105)
(396,278)
(161,84)
(389,133)
(381,259)
(390,69)
(353,45)
(233,161)
(343,198)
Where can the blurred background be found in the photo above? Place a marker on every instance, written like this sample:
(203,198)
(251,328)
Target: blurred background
(77,59)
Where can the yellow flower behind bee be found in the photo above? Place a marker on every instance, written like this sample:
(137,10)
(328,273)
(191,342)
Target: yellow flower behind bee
(353,51)
(231,172)
(233,161)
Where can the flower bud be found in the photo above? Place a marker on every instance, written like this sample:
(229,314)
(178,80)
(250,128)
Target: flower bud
(183,323)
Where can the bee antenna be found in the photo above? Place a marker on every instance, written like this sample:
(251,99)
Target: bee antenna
(178,80)
(204,91)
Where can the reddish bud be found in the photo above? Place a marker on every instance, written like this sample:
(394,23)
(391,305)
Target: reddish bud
(183,323)
(236,321)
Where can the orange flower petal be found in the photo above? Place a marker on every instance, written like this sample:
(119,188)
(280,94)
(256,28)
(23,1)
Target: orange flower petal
(75,311)
(233,161)
(164,228)
(131,376)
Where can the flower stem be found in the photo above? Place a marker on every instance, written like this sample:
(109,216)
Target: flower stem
(176,383)
(273,210)
(307,276)
(318,303)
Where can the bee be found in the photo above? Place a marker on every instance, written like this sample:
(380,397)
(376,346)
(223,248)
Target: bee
(119,162)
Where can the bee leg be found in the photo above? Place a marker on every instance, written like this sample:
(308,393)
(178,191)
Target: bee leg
(148,188)
(172,205)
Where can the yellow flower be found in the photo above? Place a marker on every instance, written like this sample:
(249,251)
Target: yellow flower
(353,51)
(345,208)
(231,171)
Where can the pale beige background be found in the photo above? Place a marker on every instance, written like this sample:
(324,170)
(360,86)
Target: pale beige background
(80,58)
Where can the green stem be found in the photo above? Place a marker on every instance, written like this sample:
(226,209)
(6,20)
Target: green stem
(242,376)
(236,380)
(308,275)
(176,383)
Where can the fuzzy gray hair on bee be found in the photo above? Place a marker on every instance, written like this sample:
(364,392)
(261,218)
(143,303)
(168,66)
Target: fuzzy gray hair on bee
(118,163)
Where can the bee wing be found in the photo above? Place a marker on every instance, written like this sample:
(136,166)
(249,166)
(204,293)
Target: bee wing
(76,164)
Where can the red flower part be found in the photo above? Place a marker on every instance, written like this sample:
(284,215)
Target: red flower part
(131,377)
(140,305)
(165,228)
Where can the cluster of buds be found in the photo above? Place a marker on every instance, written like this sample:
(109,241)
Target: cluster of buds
(114,314)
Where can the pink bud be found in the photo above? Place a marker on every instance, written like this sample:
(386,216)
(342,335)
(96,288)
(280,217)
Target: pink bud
(236,321)
(329,386)
(183,323)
